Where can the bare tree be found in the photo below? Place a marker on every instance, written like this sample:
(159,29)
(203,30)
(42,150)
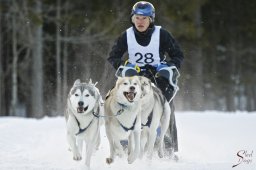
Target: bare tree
(59,102)
(197,90)
(1,68)
(37,66)
(65,58)
(18,45)
(14,99)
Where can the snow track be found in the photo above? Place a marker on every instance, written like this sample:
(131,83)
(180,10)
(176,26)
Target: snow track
(207,141)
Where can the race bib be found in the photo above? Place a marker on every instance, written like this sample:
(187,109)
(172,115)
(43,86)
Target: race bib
(142,55)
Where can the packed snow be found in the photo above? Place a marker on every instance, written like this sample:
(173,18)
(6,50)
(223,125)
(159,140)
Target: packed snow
(207,141)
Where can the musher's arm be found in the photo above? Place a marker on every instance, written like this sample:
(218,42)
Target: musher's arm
(170,46)
(119,48)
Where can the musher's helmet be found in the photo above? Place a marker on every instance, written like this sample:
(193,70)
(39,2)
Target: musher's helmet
(144,8)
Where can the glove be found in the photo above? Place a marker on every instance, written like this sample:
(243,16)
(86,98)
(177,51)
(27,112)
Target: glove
(160,66)
(150,67)
(133,66)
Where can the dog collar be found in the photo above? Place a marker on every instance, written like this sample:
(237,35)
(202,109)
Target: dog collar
(122,105)
(96,114)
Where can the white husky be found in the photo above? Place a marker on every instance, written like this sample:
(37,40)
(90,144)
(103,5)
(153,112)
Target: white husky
(122,111)
(83,123)
(155,112)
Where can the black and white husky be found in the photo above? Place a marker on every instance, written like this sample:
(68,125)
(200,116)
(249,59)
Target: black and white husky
(155,112)
(83,124)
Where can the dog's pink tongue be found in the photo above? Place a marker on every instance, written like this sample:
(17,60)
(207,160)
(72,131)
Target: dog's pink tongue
(130,96)
(80,110)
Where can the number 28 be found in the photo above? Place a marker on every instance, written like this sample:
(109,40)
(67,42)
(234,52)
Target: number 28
(147,58)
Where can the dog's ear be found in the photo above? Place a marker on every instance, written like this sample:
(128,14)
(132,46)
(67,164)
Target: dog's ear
(94,84)
(78,81)
(139,81)
(119,79)
(90,81)
(99,101)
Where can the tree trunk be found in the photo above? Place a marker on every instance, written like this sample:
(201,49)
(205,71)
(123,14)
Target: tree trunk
(253,99)
(1,69)
(231,76)
(197,90)
(65,58)
(65,72)
(14,82)
(58,62)
(250,92)
(37,68)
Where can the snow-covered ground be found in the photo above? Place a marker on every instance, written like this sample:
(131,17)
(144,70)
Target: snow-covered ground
(207,141)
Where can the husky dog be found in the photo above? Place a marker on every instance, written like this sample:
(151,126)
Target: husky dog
(82,118)
(155,112)
(122,111)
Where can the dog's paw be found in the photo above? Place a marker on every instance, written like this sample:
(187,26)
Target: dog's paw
(120,154)
(161,153)
(77,157)
(131,158)
(149,155)
(175,158)
(109,160)
(141,155)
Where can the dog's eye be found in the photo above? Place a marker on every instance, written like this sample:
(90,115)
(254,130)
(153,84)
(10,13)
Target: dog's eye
(76,95)
(87,95)
(135,84)
(125,83)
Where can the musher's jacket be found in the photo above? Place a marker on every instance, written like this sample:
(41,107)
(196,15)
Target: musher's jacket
(167,45)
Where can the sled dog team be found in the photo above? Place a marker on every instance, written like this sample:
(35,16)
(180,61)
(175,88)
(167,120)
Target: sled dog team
(132,111)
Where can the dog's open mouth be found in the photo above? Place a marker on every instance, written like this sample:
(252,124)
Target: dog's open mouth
(130,96)
(82,109)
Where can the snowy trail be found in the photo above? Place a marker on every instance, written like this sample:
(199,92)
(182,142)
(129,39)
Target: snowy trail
(207,141)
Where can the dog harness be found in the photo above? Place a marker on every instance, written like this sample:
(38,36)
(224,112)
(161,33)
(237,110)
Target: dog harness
(149,120)
(121,111)
(84,129)
(127,129)
(142,55)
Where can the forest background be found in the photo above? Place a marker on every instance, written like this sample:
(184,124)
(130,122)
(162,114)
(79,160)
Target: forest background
(45,45)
